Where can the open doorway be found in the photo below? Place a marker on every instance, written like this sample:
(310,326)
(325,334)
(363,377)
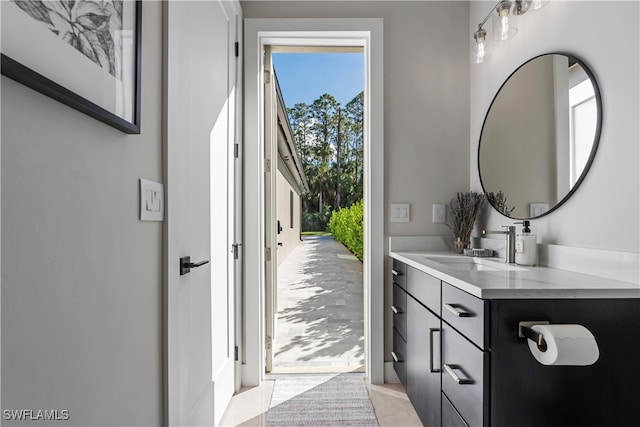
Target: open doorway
(259,33)
(318,299)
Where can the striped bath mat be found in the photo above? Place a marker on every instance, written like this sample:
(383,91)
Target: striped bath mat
(321,400)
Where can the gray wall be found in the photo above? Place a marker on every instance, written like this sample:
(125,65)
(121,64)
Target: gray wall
(610,194)
(426,93)
(81,275)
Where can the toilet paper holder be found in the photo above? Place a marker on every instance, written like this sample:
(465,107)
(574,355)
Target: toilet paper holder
(525,331)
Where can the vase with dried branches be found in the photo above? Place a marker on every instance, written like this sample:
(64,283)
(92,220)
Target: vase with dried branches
(463,213)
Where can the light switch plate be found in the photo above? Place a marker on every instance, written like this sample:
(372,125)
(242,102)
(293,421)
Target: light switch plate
(151,201)
(400,212)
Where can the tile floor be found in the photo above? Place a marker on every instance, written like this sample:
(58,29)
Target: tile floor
(250,406)
(320,326)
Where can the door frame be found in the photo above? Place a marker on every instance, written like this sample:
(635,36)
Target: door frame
(367,33)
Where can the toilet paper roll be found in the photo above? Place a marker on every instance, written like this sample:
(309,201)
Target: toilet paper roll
(567,345)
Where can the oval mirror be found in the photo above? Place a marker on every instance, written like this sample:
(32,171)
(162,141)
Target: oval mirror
(540,136)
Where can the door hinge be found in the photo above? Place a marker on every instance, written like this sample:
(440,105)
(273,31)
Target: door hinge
(267,254)
(267,77)
(267,165)
(236,150)
(237,48)
(268,343)
(234,249)
(236,353)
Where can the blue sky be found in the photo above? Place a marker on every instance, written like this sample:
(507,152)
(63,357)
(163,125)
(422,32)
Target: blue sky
(304,77)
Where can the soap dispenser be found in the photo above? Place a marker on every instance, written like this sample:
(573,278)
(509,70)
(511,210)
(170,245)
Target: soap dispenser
(526,246)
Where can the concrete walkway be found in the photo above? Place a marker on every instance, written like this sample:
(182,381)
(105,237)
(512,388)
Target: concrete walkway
(320,324)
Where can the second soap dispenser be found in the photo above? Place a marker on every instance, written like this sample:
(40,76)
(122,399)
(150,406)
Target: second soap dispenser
(526,246)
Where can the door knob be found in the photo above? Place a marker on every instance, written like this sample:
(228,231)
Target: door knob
(186,265)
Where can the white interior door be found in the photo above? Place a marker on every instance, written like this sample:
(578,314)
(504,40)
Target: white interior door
(200,132)
(270,209)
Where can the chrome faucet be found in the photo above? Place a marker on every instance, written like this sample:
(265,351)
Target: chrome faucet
(510,234)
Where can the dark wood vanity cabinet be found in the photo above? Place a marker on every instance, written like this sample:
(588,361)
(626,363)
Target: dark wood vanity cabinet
(416,340)
(526,393)
(463,363)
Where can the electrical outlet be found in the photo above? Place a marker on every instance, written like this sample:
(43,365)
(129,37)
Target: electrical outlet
(439,212)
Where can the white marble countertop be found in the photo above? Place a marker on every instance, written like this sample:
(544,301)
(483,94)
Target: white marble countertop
(523,283)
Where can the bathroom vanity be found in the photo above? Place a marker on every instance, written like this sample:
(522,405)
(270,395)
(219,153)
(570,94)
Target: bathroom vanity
(457,351)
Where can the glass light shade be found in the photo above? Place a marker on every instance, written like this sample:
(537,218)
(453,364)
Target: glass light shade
(538,4)
(504,21)
(480,49)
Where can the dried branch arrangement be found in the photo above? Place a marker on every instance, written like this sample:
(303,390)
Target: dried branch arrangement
(499,202)
(463,212)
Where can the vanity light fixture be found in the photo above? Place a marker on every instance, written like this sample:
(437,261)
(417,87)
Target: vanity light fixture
(504,18)
(480,48)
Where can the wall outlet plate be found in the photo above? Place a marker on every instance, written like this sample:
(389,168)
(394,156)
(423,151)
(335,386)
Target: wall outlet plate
(439,213)
(151,201)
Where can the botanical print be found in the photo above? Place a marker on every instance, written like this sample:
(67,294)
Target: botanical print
(92,27)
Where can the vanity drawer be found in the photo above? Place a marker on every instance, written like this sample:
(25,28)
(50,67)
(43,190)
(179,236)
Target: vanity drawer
(399,310)
(399,273)
(450,417)
(424,288)
(466,313)
(463,375)
(398,354)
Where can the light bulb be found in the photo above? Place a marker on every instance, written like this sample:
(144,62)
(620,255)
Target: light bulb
(504,27)
(480,52)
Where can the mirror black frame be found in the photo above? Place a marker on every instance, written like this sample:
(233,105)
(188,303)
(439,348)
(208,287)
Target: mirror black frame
(596,137)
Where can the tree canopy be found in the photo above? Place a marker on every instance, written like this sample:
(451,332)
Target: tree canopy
(329,139)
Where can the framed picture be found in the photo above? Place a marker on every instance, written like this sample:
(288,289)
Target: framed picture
(84,53)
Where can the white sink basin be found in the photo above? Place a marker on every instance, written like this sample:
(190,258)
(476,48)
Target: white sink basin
(465,263)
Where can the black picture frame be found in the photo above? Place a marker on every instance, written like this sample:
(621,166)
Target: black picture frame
(14,70)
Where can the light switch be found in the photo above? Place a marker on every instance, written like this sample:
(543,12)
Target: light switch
(400,212)
(151,201)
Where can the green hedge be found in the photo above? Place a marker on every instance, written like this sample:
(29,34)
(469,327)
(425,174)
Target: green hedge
(346,227)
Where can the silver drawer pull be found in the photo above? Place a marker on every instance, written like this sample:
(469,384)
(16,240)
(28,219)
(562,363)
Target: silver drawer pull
(395,309)
(395,357)
(431,368)
(396,273)
(457,312)
(451,371)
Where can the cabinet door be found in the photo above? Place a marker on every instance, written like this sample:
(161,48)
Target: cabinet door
(423,362)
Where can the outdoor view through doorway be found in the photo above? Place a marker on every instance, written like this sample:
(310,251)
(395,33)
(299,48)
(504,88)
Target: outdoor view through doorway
(319,325)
